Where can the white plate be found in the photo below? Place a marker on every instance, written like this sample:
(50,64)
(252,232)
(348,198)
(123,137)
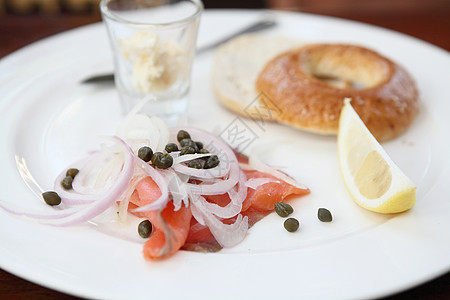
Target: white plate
(49,120)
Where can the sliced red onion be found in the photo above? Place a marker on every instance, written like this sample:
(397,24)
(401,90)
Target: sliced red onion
(226,156)
(97,176)
(196,213)
(258,165)
(124,200)
(164,133)
(216,172)
(86,212)
(238,197)
(177,189)
(254,183)
(138,129)
(90,211)
(201,174)
(226,235)
(228,211)
(107,173)
(72,197)
(160,182)
(177,159)
(218,188)
(48,215)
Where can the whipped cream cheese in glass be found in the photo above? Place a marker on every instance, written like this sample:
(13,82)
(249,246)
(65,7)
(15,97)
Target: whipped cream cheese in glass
(153,43)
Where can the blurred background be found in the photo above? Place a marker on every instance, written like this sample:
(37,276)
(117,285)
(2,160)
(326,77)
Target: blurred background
(25,21)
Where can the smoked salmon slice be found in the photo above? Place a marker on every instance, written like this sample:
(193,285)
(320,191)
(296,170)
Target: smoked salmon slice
(174,230)
(258,204)
(265,196)
(170,227)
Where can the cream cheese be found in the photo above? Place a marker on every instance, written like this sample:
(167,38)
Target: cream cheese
(155,64)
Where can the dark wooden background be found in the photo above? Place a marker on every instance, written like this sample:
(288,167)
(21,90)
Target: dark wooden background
(427,20)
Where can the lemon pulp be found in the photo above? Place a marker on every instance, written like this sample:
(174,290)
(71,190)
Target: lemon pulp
(373,180)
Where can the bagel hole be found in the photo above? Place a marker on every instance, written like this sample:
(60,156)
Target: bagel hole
(339,83)
(345,67)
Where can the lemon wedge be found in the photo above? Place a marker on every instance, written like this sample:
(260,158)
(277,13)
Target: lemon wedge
(373,180)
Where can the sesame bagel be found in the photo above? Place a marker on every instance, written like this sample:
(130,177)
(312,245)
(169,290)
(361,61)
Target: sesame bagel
(309,85)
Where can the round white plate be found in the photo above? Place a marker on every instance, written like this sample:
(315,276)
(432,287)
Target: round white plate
(49,120)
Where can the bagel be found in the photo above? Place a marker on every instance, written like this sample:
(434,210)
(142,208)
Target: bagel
(383,93)
(237,64)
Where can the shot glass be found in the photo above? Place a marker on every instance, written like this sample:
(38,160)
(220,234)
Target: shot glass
(153,43)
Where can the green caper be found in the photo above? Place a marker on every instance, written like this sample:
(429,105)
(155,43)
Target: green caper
(171,147)
(51,198)
(187,150)
(156,156)
(283,209)
(182,134)
(165,161)
(67,182)
(145,229)
(324,215)
(189,143)
(196,164)
(291,224)
(199,145)
(211,162)
(203,151)
(72,172)
(145,153)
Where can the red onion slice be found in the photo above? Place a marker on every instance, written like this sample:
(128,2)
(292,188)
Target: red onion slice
(125,198)
(164,133)
(238,197)
(228,211)
(258,165)
(160,181)
(177,189)
(226,235)
(90,211)
(226,156)
(254,183)
(48,215)
(216,172)
(77,215)
(196,213)
(177,159)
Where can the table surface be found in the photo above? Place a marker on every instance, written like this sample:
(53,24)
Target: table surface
(15,33)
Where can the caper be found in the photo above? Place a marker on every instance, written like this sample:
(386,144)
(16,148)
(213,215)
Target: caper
(67,182)
(182,134)
(145,153)
(196,164)
(199,145)
(164,161)
(156,156)
(211,162)
(283,209)
(324,215)
(187,150)
(203,151)
(72,172)
(51,198)
(145,229)
(189,143)
(291,224)
(171,147)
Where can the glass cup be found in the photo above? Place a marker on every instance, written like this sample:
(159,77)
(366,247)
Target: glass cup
(153,43)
